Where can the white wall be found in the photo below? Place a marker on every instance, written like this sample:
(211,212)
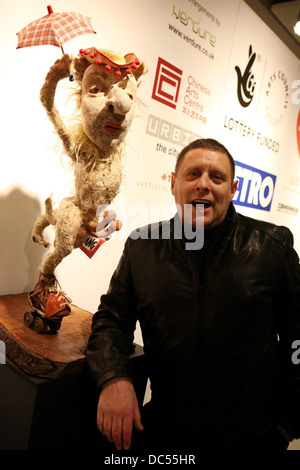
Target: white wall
(31,170)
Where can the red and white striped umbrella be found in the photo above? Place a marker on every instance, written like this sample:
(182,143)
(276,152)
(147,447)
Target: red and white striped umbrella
(54,29)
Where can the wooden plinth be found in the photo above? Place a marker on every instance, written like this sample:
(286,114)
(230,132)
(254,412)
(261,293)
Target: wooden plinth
(43,355)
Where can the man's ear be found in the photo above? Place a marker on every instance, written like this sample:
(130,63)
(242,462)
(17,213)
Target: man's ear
(173,178)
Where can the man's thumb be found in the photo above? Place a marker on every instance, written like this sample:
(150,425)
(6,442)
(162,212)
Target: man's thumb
(137,422)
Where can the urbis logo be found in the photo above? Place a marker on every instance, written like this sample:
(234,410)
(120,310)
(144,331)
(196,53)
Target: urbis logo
(255,188)
(167,83)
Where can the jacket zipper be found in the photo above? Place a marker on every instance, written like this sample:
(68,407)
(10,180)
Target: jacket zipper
(200,345)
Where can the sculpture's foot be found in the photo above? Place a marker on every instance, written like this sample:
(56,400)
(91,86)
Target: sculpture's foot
(40,324)
(49,301)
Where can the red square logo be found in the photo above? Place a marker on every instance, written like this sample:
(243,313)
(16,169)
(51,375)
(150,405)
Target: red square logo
(167,83)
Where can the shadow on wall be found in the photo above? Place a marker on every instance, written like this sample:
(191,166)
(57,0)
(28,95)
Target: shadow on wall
(20,257)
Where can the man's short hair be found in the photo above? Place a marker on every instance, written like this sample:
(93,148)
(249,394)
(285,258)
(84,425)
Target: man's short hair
(210,144)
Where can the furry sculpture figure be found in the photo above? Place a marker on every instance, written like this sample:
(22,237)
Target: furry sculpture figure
(108,85)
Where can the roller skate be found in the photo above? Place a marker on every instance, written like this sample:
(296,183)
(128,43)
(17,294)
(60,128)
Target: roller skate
(49,305)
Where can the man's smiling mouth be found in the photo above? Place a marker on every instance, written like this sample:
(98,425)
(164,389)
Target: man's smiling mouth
(206,204)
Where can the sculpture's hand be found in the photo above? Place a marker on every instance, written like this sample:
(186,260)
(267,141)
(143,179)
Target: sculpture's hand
(61,68)
(108,225)
(104,229)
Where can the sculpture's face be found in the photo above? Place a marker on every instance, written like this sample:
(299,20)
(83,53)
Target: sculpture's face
(107,105)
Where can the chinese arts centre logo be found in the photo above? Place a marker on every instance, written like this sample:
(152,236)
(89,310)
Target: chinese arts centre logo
(167,83)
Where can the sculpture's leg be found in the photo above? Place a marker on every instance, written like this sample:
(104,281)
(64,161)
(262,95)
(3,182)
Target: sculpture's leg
(46,298)
(69,220)
(38,230)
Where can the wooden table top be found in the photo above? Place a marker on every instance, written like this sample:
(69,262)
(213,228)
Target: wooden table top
(43,355)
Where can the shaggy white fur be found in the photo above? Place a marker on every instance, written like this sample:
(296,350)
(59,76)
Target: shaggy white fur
(107,98)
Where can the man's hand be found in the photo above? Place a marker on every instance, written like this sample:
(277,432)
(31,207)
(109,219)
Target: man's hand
(118,412)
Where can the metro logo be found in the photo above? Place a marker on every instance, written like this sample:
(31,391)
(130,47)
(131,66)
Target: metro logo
(255,188)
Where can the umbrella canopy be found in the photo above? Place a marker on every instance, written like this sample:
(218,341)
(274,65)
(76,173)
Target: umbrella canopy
(54,29)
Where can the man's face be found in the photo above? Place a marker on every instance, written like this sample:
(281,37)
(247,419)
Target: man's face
(107,105)
(204,176)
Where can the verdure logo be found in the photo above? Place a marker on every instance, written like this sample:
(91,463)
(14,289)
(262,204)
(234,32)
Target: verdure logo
(245,81)
(201,31)
(167,83)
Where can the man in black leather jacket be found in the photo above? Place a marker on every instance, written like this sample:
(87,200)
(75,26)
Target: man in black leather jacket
(218,324)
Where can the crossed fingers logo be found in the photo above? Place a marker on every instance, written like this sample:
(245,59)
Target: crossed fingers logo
(245,81)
